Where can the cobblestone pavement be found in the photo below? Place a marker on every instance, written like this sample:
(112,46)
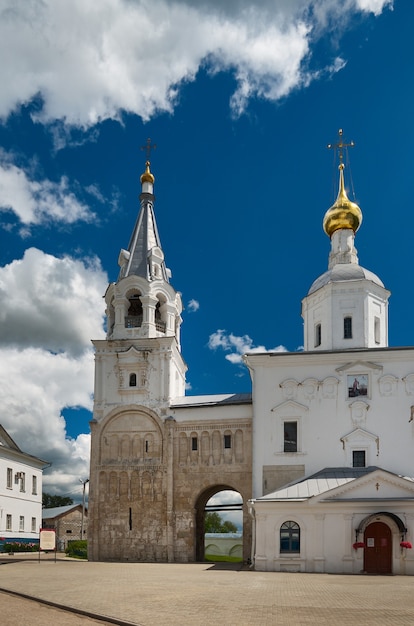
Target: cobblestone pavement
(149,594)
(15,611)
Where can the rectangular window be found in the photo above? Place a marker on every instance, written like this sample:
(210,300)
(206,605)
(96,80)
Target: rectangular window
(8,522)
(358,458)
(194,443)
(347,327)
(318,335)
(9,478)
(34,525)
(227,441)
(22,481)
(34,485)
(21,523)
(290,437)
(377,330)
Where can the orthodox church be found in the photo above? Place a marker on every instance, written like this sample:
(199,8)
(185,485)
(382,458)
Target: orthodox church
(320,451)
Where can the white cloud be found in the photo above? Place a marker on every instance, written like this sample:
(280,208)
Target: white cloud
(89,60)
(46,359)
(237,345)
(51,303)
(34,201)
(193,306)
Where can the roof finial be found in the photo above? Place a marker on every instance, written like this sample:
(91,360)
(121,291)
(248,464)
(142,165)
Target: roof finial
(343,214)
(148,147)
(339,146)
(147,176)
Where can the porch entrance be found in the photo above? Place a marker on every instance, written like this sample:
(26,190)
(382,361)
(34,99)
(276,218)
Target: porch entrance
(378,549)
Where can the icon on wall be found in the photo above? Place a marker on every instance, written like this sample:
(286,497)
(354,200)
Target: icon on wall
(357,385)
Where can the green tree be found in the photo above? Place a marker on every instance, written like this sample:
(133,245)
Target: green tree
(49,501)
(214,524)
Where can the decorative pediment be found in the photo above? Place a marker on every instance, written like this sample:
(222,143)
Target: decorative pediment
(378,484)
(289,409)
(359,436)
(132,356)
(359,366)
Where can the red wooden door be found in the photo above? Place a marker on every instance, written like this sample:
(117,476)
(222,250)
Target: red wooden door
(378,549)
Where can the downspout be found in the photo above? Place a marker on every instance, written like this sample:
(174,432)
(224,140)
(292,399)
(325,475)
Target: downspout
(252,513)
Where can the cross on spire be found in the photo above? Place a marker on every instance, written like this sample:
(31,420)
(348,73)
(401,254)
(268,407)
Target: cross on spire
(340,145)
(148,147)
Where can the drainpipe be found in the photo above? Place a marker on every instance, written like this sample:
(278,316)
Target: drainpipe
(252,513)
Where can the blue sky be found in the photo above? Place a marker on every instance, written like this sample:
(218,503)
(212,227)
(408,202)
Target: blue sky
(241,101)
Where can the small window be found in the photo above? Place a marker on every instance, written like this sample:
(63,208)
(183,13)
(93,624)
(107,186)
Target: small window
(318,335)
(69,531)
(146,445)
(227,441)
(34,525)
(347,327)
(8,522)
(34,485)
(290,443)
(21,523)
(9,478)
(290,538)
(132,380)
(358,458)
(377,330)
(194,443)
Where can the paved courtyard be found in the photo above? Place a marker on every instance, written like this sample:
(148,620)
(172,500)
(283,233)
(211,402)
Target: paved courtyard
(149,594)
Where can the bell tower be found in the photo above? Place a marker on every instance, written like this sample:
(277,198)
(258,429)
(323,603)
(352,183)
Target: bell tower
(347,306)
(140,360)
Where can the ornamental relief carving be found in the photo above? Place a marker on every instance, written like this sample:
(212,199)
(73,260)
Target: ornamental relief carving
(388,385)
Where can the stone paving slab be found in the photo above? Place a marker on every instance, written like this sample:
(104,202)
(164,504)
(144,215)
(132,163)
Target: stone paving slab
(150,594)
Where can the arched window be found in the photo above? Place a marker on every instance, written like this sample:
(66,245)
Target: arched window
(290,537)
(132,380)
(134,315)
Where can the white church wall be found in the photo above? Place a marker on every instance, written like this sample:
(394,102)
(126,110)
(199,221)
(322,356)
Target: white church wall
(377,420)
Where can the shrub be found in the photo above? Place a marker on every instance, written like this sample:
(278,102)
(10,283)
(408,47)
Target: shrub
(20,546)
(77,548)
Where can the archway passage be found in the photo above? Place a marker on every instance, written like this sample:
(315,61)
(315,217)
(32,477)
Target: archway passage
(203,506)
(378,549)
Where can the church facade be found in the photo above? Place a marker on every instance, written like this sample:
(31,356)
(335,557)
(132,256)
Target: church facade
(320,452)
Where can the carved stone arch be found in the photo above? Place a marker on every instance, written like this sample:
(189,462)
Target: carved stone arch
(182,448)
(238,446)
(217,447)
(123,485)
(205,446)
(128,429)
(103,486)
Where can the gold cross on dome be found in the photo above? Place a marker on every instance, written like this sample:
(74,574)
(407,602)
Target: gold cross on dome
(148,147)
(340,145)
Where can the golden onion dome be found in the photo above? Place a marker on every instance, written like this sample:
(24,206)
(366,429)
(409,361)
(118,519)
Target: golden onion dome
(147,177)
(343,213)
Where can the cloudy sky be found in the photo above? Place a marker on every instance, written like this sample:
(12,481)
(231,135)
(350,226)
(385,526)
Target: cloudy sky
(241,99)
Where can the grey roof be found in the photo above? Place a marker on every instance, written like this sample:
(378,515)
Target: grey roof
(57,511)
(144,238)
(343,272)
(218,399)
(324,480)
